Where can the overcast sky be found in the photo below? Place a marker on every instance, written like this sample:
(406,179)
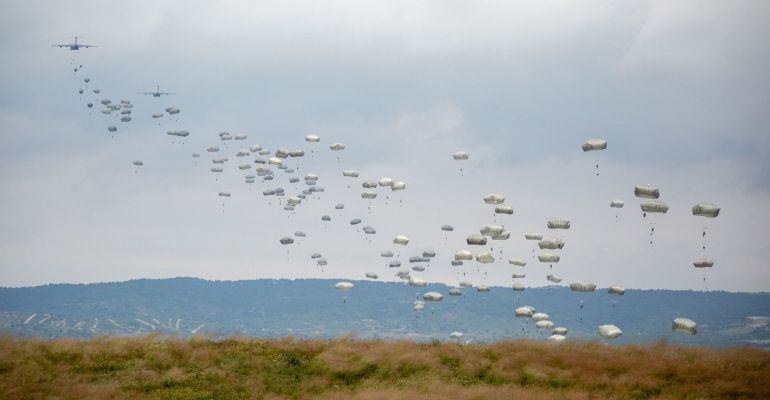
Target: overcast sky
(679,89)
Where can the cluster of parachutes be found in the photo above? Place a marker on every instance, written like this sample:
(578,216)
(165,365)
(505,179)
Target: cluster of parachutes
(256,162)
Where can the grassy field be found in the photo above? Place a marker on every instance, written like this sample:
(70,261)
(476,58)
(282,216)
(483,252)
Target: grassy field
(164,368)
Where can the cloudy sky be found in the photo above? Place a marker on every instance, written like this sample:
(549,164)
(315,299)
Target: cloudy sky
(679,89)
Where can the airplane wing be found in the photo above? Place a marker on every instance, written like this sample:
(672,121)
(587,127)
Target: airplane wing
(144,93)
(87,45)
(166,93)
(59,45)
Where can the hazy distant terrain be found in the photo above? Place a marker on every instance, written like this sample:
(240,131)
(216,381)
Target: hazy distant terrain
(311,308)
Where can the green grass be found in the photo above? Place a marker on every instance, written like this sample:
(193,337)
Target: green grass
(157,367)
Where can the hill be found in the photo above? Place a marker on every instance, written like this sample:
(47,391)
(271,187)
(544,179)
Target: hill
(311,308)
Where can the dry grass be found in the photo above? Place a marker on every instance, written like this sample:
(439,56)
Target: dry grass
(166,368)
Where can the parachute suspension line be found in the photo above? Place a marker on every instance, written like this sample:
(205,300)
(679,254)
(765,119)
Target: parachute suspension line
(597,167)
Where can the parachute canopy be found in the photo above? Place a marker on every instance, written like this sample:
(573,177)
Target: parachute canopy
(494,198)
(401,240)
(558,223)
(646,192)
(582,286)
(344,286)
(460,156)
(433,296)
(594,144)
(654,207)
(684,325)
(609,331)
(707,210)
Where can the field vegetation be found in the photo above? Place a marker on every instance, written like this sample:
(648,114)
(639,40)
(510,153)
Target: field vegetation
(160,367)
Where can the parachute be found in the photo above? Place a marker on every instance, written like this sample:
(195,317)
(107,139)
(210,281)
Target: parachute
(525,311)
(582,287)
(544,324)
(503,209)
(387,254)
(355,221)
(401,240)
(447,228)
(609,331)
(350,173)
(504,235)
(312,138)
(485,258)
(616,203)
(460,156)
(417,282)
(654,207)
(551,244)
(482,288)
(703,263)
(433,296)
(476,240)
(556,338)
(138,163)
(594,144)
(646,192)
(394,264)
(553,278)
(491,230)
(540,316)
(286,240)
(707,210)
(494,198)
(533,236)
(456,335)
(224,194)
(455,292)
(337,147)
(517,262)
(558,223)
(616,290)
(518,275)
(518,287)
(560,331)
(385,181)
(344,286)
(548,258)
(371,275)
(369,195)
(684,325)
